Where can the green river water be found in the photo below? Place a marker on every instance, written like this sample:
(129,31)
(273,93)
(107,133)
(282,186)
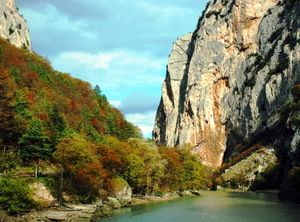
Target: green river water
(213,207)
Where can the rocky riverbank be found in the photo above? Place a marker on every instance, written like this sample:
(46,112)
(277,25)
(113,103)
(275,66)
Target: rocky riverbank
(91,212)
(106,208)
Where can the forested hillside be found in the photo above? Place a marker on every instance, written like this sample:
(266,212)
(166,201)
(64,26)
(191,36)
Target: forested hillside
(66,134)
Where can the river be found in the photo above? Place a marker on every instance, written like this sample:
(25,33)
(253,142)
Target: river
(212,207)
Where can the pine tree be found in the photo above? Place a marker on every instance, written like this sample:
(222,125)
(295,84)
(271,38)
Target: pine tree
(58,126)
(35,145)
(102,100)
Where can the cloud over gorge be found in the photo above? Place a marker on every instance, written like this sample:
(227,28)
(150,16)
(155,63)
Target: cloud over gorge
(121,45)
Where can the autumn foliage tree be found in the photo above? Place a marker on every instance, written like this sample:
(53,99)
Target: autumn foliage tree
(77,157)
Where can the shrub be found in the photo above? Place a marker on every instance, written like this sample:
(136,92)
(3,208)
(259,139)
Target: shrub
(15,196)
(269,179)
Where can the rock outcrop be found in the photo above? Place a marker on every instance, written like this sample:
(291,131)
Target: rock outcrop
(41,194)
(245,174)
(227,82)
(13,26)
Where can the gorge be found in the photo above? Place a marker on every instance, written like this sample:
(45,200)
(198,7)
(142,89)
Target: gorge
(228,119)
(228,82)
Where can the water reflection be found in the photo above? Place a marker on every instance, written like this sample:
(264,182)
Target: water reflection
(213,207)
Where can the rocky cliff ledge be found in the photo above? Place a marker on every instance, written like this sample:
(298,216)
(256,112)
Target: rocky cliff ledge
(13,26)
(227,81)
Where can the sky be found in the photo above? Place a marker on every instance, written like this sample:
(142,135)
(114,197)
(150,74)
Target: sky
(121,45)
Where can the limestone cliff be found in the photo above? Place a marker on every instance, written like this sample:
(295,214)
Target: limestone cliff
(13,26)
(227,82)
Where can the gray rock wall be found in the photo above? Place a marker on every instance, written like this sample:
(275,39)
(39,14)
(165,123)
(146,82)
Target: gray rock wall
(226,85)
(13,26)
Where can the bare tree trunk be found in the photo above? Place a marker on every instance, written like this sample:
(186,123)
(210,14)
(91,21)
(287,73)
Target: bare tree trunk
(36,169)
(5,163)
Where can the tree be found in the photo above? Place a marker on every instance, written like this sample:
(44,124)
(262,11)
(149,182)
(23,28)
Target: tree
(7,126)
(58,126)
(9,160)
(101,98)
(77,158)
(8,132)
(15,196)
(135,173)
(173,169)
(35,145)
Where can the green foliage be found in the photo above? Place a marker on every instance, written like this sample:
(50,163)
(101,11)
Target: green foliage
(74,152)
(135,172)
(34,143)
(15,196)
(184,170)
(195,175)
(41,67)
(101,98)
(9,160)
(58,126)
(15,72)
(21,105)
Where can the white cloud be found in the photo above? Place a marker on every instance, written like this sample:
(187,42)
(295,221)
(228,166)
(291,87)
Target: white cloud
(93,61)
(143,120)
(115,103)
(139,103)
(117,72)
(103,60)
(42,17)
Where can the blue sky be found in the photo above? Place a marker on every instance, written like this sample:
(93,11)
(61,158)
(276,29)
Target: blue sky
(121,45)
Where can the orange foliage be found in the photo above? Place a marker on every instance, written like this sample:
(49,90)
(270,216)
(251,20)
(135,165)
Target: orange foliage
(92,175)
(31,97)
(98,125)
(73,105)
(43,116)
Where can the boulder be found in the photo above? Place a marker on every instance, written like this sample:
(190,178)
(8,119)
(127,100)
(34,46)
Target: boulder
(41,194)
(121,191)
(113,202)
(185,193)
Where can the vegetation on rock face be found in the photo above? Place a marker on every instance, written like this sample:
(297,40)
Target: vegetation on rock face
(51,119)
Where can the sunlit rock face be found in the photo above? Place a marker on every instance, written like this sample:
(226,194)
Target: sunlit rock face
(227,81)
(13,26)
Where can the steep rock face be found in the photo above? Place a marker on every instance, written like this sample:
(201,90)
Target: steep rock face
(226,85)
(13,26)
